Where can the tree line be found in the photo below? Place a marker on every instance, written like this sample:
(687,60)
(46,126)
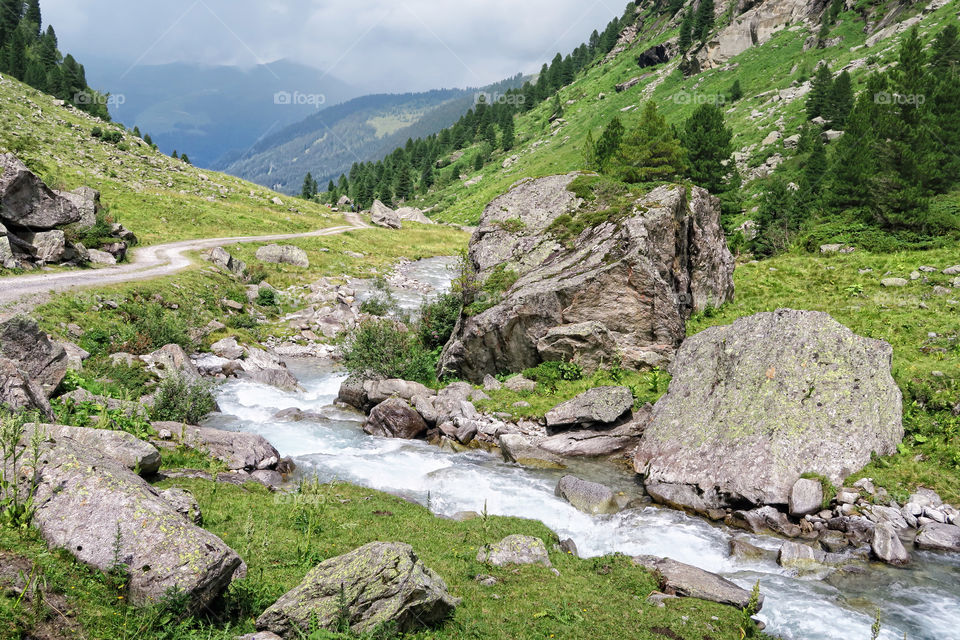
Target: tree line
(31,55)
(424,163)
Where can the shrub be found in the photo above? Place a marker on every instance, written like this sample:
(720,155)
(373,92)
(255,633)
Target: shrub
(438,318)
(180,399)
(156,327)
(256,274)
(242,321)
(379,305)
(97,416)
(549,374)
(384,348)
(267,297)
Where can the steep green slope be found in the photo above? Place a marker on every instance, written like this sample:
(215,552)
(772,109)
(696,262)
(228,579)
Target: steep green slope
(160,199)
(771,75)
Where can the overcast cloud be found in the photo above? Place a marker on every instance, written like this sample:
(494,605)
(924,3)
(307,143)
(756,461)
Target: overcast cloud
(379,45)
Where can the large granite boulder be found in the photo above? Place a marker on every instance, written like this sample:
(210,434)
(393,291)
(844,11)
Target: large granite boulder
(600,405)
(939,537)
(171,361)
(267,368)
(598,442)
(515,550)
(394,418)
(378,583)
(87,202)
(236,449)
(102,513)
(623,288)
(39,360)
(220,257)
(283,254)
(754,405)
(682,579)
(589,497)
(19,392)
(48,247)
(383,216)
(133,453)
(25,201)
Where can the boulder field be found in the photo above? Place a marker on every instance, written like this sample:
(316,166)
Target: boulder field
(621,289)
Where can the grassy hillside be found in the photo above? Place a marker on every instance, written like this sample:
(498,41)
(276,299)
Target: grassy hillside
(764,71)
(158,198)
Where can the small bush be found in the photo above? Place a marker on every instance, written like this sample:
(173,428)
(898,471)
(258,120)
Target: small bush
(156,327)
(384,348)
(179,399)
(438,318)
(267,297)
(549,374)
(379,305)
(242,321)
(256,274)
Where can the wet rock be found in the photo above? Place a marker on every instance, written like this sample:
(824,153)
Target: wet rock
(598,442)
(740,548)
(600,405)
(939,537)
(678,496)
(353,394)
(887,547)
(755,404)
(794,555)
(517,448)
(383,216)
(238,450)
(285,254)
(394,418)
(515,550)
(267,368)
(763,520)
(593,279)
(227,348)
(380,390)
(171,361)
(100,512)
(38,359)
(589,497)
(691,582)
(806,496)
(378,583)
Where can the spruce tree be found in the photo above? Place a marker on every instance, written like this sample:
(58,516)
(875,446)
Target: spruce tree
(686,32)
(175,155)
(609,143)
(307,191)
(404,183)
(490,135)
(649,152)
(184,158)
(946,49)
(839,101)
(704,21)
(32,16)
(509,134)
(816,166)
(11,12)
(736,92)
(820,89)
(709,147)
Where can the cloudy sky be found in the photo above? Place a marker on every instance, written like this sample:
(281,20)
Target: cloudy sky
(380,45)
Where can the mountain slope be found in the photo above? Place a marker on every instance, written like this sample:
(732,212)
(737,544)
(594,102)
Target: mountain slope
(773,72)
(155,196)
(367,128)
(208,111)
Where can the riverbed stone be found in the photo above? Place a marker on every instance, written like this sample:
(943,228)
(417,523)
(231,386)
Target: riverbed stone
(519,449)
(236,449)
(379,583)
(589,497)
(600,405)
(754,405)
(806,496)
(380,390)
(133,453)
(794,555)
(691,582)
(939,537)
(887,546)
(598,442)
(394,418)
(515,550)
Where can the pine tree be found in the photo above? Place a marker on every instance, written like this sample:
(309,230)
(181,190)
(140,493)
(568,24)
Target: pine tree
(307,192)
(686,32)
(736,92)
(11,12)
(820,89)
(946,49)
(148,139)
(839,101)
(32,16)
(609,143)
(404,183)
(816,166)
(709,147)
(649,151)
(490,135)
(175,155)
(15,55)
(509,134)
(590,159)
(184,158)
(704,21)
(778,219)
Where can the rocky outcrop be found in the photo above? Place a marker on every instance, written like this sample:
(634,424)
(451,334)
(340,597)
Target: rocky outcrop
(87,202)
(40,360)
(383,216)
(378,583)
(600,442)
(283,254)
(515,550)
(658,54)
(754,405)
(637,279)
(684,580)
(589,497)
(103,514)
(394,418)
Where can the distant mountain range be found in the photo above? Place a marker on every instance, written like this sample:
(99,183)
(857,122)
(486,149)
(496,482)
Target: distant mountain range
(327,143)
(207,111)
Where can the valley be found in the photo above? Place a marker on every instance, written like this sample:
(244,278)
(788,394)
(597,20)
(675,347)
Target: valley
(661,342)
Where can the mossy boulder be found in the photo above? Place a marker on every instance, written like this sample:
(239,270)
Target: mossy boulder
(380,583)
(755,405)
